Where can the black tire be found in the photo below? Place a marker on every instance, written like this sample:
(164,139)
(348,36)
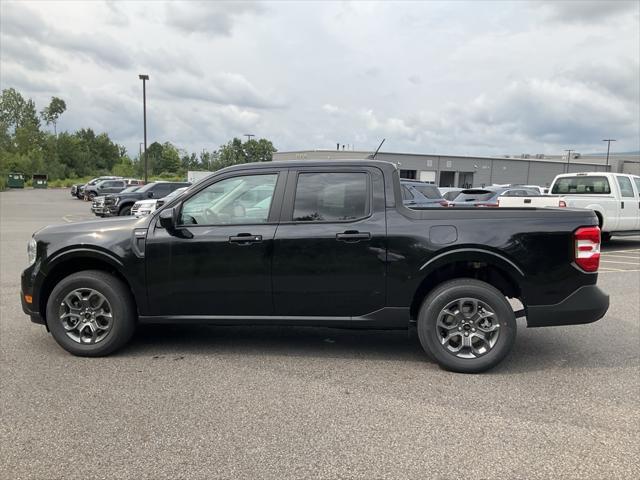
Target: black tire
(92,195)
(125,211)
(123,311)
(449,292)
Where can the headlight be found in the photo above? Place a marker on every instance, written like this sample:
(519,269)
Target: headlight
(31,250)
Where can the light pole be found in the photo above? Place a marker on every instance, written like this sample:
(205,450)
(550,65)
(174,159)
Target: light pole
(609,140)
(568,157)
(144,79)
(140,151)
(249,136)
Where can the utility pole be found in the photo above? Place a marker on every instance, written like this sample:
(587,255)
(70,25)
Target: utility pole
(144,79)
(609,140)
(249,136)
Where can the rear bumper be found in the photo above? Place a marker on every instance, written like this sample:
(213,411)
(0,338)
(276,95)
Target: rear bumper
(586,305)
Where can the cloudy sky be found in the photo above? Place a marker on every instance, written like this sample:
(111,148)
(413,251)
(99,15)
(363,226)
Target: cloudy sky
(452,77)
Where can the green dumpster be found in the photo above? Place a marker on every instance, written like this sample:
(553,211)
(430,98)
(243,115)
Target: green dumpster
(15,180)
(39,180)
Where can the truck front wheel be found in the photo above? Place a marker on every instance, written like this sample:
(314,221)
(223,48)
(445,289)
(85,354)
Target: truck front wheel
(124,211)
(466,325)
(91,313)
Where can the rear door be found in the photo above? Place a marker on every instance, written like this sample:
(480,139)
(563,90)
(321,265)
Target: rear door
(330,247)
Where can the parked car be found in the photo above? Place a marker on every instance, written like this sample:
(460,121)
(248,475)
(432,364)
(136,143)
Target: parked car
(104,187)
(331,245)
(121,204)
(110,186)
(97,206)
(614,197)
(489,196)
(145,207)
(449,193)
(77,190)
(417,194)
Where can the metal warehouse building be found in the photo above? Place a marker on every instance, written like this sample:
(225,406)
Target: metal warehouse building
(458,171)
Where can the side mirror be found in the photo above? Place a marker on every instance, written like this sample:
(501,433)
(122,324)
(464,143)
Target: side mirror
(150,194)
(168,219)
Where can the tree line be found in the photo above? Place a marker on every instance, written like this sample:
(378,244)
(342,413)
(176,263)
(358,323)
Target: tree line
(27,148)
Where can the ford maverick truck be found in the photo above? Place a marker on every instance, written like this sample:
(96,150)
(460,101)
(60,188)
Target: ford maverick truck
(318,243)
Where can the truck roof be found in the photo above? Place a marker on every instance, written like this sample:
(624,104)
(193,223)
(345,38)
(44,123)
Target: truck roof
(385,166)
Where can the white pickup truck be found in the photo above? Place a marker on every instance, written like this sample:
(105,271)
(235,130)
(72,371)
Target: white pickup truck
(540,201)
(615,198)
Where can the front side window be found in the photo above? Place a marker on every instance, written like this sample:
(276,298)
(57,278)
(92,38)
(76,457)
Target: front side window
(581,185)
(636,180)
(237,200)
(330,197)
(626,190)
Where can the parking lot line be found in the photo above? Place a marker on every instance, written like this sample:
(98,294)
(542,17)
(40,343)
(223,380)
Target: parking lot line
(612,261)
(632,250)
(618,271)
(621,256)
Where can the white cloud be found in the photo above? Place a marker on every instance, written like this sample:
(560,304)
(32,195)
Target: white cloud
(441,77)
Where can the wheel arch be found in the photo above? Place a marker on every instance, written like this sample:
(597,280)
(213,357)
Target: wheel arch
(485,265)
(78,260)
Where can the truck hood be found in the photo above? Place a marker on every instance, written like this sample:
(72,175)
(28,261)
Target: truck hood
(93,229)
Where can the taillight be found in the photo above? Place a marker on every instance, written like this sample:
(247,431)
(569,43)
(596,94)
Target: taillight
(562,203)
(587,248)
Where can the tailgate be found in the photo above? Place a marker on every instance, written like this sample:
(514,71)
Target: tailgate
(538,202)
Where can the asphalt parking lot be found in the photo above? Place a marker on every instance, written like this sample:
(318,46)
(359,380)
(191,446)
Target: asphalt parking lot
(260,402)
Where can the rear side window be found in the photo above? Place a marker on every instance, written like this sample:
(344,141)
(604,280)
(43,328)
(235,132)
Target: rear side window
(331,197)
(637,182)
(581,186)
(428,191)
(406,193)
(626,190)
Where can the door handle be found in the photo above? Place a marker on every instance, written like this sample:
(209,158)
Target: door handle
(245,239)
(621,204)
(352,236)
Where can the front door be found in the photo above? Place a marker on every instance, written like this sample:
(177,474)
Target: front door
(628,204)
(330,247)
(636,182)
(218,263)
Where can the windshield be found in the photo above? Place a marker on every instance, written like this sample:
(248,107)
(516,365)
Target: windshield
(130,189)
(174,194)
(146,187)
(582,185)
(428,191)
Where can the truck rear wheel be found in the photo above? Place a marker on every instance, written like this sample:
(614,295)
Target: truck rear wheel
(91,313)
(467,326)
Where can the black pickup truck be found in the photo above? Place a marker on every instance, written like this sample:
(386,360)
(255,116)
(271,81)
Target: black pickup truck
(317,243)
(119,204)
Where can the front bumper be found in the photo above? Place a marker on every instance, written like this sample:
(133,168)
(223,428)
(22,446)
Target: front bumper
(585,305)
(27,288)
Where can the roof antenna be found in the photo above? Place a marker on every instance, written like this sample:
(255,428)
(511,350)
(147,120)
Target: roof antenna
(372,157)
